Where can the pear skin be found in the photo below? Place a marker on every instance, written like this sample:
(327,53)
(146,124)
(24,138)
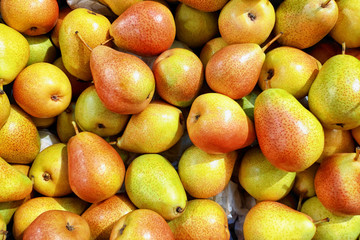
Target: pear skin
(3,229)
(304,182)
(19,138)
(64,128)
(206,5)
(5,105)
(210,48)
(119,6)
(7,209)
(289,135)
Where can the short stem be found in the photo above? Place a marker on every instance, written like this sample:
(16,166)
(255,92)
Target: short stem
(82,40)
(267,83)
(323,5)
(343,47)
(271,41)
(357,153)
(75,127)
(113,143)
(106,41)
(301,197)
(321,221)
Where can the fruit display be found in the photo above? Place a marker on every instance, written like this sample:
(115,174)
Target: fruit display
(180,119)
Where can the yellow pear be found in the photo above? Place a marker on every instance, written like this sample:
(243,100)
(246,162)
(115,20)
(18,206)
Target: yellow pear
(3,228)
(5,105)
(119,6)
(64,128)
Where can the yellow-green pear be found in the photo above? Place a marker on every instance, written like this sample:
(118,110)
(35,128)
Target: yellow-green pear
(79,24)
(19,138)
(210,48)
(91,115)
(205,175)
(64,128)
(41,49)
(152,182)
(49,171)
(119,6)
(5,105)
(157,128)
(338,227)
(3,229)
(14,55)
(7,209)
(261,179)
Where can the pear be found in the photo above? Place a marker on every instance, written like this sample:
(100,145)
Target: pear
(41,49)
(205,5)
(31,209)
(54,35)
(15,53)
(289,135)
(91,115)
(49,171)
(305,22)
(205,175)
(19,138)
(5,105)
(163,194)
(202,219)
(96,170)
(156,129)
(210,48)
(332,96)
(274,220)
(7,209)
(81,24)
(338,227)
(3,229)
(64,128)
(119,6)
(123,82)
(261,179)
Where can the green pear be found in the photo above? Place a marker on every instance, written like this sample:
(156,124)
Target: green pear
(247,103)
(5,105)
(205,175)
(91,115)
(289,135)
(19,138)
(333,95)
(338,227)
(64,128)
(202,219)
(274,220)
(163,194)
(304,22)
(15,53)
(49,171)
(261,179)
(81,24)
(289,68)
(7,209)
(41,49)
(157,128)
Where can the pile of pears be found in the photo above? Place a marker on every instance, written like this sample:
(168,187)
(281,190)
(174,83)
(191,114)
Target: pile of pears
(155,106)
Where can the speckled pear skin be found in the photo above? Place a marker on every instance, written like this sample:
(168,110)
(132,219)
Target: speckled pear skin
(152,182)
(304,22)
(146,28)
(123,82)
(5,107)
(273,220)
(202,219)
(19,138)
(96,170)
(206,5)
(289,135)
(334,95)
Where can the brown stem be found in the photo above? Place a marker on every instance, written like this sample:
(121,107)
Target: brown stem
(106,41)
(113,143)
(1,86)
(75,127)
(323,5)
(82,40)
(357,153)
(343,47)
(301,197)
(321,221)
(271,41)
(267,83)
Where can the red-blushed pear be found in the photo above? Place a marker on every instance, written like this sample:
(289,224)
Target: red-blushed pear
(146,28)
(103,215)
(142,224)
(96,170)
(234,70)
(31,17)
(289,135)
(123,82)
(217,124)
(56,225)
(206,5)
(52,88)
(337,183)
(179,75)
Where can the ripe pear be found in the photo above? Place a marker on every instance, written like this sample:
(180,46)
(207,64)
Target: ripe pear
(96,170)
(205,175)
(31,209)
(42,123)
(123,82)
(64,128)
(15,53)
(119,6)
(289,135)
(19,138)
(41,49)
(332,96)
(91,115)
(355,133)
(274,220)
(156,129)
(49,171)
(146,28)
(261,179)
(163,194)
(305,22)
(54,36)
(3,229)
(5,105)
(81,24)
(210,48)
(338,227)
(337,183)
(206,5)
(202,219)
(289,68)
(102,216)
(7,209)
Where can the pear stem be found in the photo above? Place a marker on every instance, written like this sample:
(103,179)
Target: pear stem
(343,47)
(106,41)
(75,127)
(322,221)
(323,5)
(357,153)
(301,197)
(271,41)
(267,83)
(82,40)
(1,86)
(113,143)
